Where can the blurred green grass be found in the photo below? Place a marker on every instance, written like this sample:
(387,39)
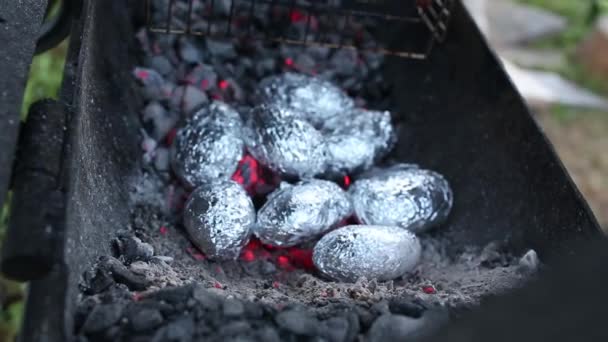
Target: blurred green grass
(580,15)
(47,69)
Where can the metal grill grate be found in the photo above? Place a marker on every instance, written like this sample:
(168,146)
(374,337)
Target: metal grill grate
(420,23)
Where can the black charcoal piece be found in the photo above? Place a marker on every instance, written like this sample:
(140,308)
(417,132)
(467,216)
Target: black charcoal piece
(122,275)
(159,120)
(188,98)
(145,319)
(102,317)
(132,248)
(298,322)
(233,308)
(394,328)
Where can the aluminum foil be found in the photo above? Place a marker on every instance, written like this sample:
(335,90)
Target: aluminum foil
(219,217)
(299,213)
(209,146)
(373,252)
(286,144)
(403,195)
(312,98)
(356,143)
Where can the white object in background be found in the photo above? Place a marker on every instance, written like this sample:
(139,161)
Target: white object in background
(541,87)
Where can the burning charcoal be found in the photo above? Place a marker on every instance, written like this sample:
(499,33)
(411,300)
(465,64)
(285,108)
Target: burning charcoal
(187,98)
(162,159)
(220,48)
(160,120)
(374,252)
(264,67)
(209,146)
(345,62)
(219,217)
(285,143)
(202,76)
(161,64)
(305,64)
(188,51)
(298,213)
(404,196)
(154,85)
(312,98)
(355,144)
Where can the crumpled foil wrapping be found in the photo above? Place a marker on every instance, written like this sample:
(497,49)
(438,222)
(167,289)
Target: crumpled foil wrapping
(284,143)
(219,217)
(311,98)
(299,213)
(209,146)
(403,195)
(356,143)
(373,252)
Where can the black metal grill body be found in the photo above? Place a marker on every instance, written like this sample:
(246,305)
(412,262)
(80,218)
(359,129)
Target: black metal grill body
(463,116)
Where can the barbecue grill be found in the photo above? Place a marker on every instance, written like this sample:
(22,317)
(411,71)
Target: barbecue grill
(77,155)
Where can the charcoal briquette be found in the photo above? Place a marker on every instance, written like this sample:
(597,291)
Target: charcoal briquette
(297,322)
(102,317)
(394,328)
(145,319)
(187,98)
(233,308)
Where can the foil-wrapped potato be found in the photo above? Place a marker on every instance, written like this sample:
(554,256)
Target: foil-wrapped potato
(295,214)
(373,252)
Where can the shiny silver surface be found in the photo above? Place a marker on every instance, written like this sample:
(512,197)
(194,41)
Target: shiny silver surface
(403,195)
(209,146)
(373,252)
(299,213)
(311,98)
(285,143)
(356,143)
(219,217)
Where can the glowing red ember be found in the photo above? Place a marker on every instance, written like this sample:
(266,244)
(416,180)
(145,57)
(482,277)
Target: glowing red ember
(255,178)
(194,253)
(429,289)
(223,84)
(248,255)
(296,16)
(346,181)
